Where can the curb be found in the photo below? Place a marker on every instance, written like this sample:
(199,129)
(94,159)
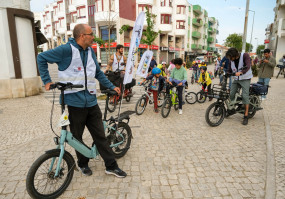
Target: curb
(270,188)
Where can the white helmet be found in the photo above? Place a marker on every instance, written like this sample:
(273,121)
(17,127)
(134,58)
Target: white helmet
(163,62)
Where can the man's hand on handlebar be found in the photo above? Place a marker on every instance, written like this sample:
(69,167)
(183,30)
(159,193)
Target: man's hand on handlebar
(117,89)
(47,86)
(238,73)
(180,84)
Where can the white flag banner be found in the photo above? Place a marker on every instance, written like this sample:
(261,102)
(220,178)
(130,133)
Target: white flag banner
(144,64)
(135,42)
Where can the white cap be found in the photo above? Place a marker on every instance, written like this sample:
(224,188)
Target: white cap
(163,62)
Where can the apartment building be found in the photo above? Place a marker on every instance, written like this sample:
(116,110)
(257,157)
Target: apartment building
(275,32)
(185,30)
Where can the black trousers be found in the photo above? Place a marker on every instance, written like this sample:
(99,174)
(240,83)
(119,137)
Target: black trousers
(180,93)
(92,118)
(208,88)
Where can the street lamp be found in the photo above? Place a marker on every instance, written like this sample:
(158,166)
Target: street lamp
(245,26)
(252,28)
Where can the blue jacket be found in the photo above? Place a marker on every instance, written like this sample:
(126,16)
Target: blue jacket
(62,56)
(227,63)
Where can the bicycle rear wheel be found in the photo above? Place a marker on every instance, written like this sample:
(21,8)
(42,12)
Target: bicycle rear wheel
(41,181)
(141,105)
(176,105)
(111,104)
(160,99)
(114,138)
(166,108)
(215,114)
(254,101)
(201,97)
(191,97)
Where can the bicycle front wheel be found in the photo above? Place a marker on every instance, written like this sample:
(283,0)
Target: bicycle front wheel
(41,181)
(215,114)
(201,97)
(191,98)
(141,105)
(166,108)
(123,133)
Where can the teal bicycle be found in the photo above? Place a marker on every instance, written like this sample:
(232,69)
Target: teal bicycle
(171,99)
(52,172)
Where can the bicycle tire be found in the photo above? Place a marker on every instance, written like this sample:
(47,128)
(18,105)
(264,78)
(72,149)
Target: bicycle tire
(279,74)
(191,98)
(139,103)
(112,107)
(201,98)
(166,108)
(218,111)
(176,105)
(30,184)
(251,108)
(114,138)
(160,99)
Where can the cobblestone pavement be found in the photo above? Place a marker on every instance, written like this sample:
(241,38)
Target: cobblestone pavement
(177,157)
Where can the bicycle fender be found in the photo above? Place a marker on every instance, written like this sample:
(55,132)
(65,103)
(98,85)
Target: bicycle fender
(65,153)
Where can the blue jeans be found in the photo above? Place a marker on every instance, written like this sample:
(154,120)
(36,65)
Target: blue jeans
(264,80)
(266,83)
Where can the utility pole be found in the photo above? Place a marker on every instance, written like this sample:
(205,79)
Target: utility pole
(245,27)
(251,47)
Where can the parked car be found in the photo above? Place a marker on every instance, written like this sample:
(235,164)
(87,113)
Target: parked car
(199,59)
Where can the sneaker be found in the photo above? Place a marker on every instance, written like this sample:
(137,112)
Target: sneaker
(116,172)
(155,110)
(210,99)
(245,120)
(86,171)
(180,111)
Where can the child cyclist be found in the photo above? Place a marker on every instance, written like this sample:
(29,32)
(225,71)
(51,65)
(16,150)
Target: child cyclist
(205,80)
(157,82)
(179,77)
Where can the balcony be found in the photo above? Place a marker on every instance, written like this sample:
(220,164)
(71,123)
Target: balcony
(197,9)
(197,22)
(196,47)
(148,2)
(281,27)
(212,19)
(61,14)
(217,32)
(210,39)
(281,3)
(196,34)
(211,30)
(180,32)
(102,17)
(164,28)
(181,17)
(61,30)
(205,13)
(165,10)
(210,49)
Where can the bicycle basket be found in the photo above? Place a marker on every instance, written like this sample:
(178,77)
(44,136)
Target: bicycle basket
(258,89)
(218,93)
(114,78)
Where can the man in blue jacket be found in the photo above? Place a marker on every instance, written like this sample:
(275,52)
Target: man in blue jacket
(77,64)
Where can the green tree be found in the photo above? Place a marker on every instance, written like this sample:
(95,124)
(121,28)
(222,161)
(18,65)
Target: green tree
(149,34)
(259,48)
(235,40)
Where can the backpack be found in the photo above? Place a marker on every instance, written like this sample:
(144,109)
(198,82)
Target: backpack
(211,75)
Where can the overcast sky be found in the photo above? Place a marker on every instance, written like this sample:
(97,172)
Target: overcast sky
(230,14)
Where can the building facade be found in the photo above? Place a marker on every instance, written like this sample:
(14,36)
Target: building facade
(186,31)
(275,32)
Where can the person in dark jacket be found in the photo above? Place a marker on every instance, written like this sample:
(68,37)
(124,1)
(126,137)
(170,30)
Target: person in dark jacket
(152,64)
(225,62)
(77,64)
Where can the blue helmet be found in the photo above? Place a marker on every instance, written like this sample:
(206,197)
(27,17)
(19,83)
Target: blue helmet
(155,71)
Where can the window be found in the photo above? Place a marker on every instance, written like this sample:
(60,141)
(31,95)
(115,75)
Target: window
(105,33)
(180,24)
(162,3)
(141,8)
(96,5)
(81,12)
(61,25)
(91,10)
(170,3)
(180,9)
(165,19)
(73,16)
(54,10)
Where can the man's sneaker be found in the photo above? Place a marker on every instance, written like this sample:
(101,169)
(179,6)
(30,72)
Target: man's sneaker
(180,111)
(116,172)
(86,171)
(245,120)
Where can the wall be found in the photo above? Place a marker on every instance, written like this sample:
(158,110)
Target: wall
(128,9)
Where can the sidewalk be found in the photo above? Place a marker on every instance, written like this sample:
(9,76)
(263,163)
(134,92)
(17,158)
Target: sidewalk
(177,157)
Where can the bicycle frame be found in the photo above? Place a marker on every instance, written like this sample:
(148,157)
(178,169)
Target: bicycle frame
(66,136)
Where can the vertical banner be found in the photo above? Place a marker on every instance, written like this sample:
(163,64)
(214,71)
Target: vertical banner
(135,42)
(144,64)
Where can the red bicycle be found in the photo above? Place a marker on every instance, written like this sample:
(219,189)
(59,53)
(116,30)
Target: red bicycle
(202,95)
